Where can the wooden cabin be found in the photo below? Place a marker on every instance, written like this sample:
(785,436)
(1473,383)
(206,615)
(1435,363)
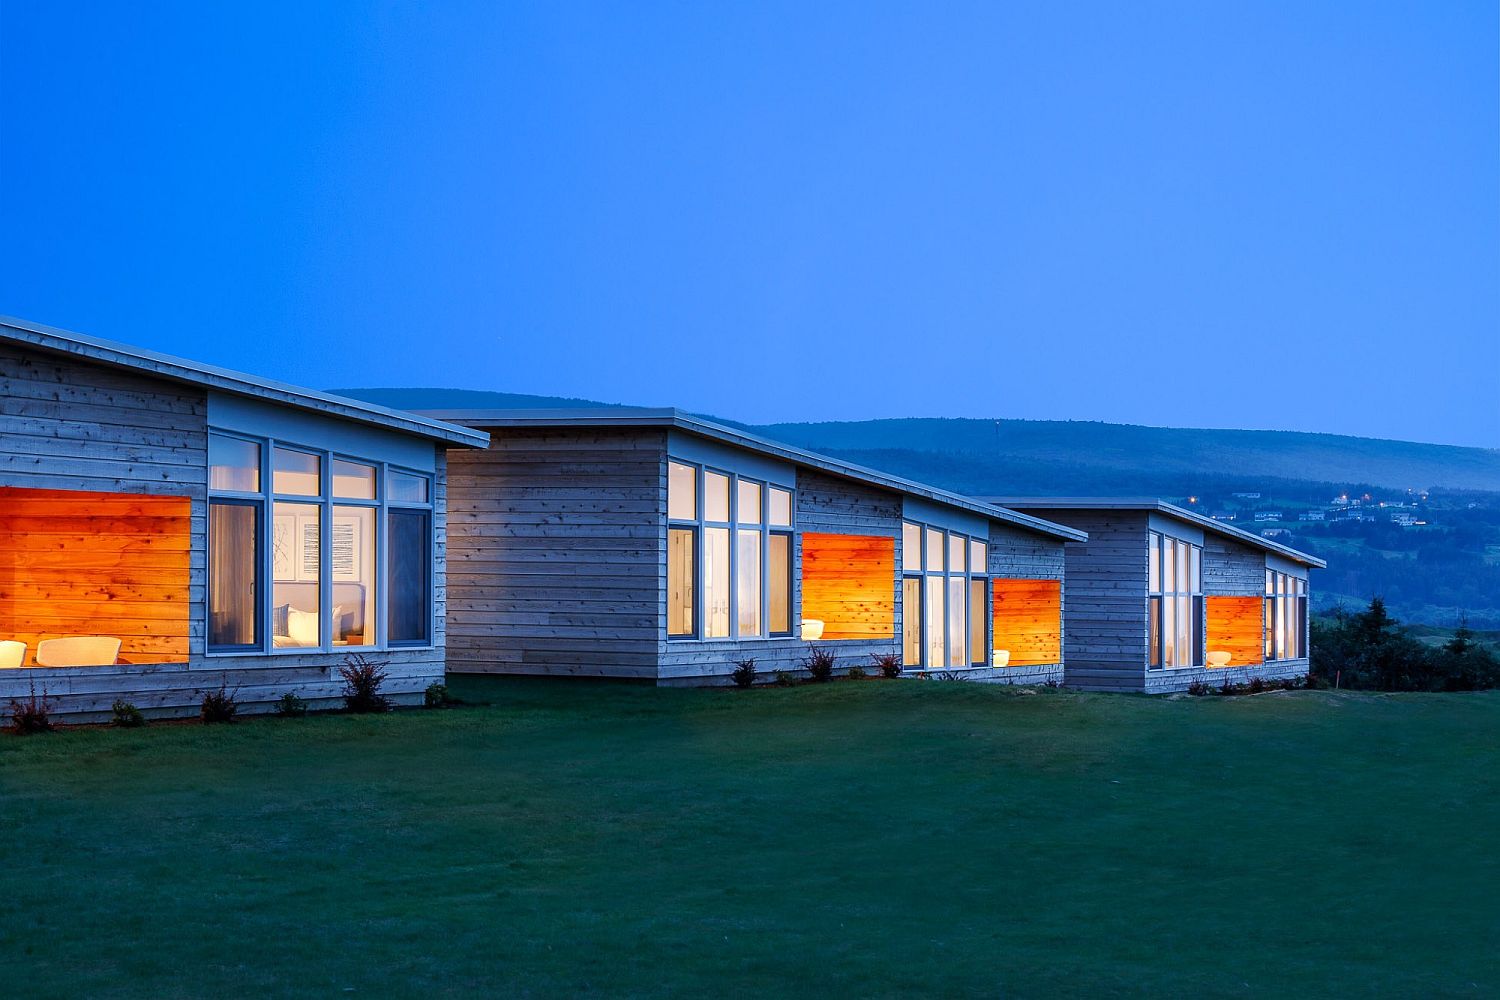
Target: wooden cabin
(168,529)
(654,545)
(1160,597)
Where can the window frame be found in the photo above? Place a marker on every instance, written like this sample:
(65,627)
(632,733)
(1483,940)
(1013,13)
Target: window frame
(945,538)
(326,502)
(1286,597)
(699,524)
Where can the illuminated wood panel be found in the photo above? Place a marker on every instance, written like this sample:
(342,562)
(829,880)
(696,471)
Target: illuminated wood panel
(1028,620)
(1234,625)
(849,582)
(77,563)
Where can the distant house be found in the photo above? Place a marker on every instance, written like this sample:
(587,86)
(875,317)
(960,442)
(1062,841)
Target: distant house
(1275,533)
(169,528)
(1247,496)
(1262,516)
(1158,595)
(1223,515)
(1403,518)
(1310,515)
(658,546)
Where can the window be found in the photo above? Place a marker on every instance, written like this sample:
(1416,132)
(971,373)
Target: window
(944,594)
(1174,602)
(734,549)
(409,612)
(234,553)
(295,557)
(233,464)
(1285,617)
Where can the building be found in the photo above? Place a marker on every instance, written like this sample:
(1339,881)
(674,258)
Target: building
(169,528)
(654,545)
(1310,515)
(1160,597)
(1263,516)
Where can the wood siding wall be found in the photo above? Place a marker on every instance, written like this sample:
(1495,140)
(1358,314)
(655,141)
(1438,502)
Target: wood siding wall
(1016,555)
(111,564)
(846,583)
(557,553)
(72,425)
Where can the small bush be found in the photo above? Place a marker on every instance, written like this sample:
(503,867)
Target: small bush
(362,680)
(1226,689)
(783,678)
(1199,688)
(1257,685)
(126,715)
(291,707)
(857,673)
(819,665)
(744,673)
(437,696)
(34,715)
(889,664)
(218,706)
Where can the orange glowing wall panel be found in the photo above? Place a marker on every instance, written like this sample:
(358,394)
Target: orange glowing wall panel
(1233,624)
(849,582)
(1028,620)
(117,564)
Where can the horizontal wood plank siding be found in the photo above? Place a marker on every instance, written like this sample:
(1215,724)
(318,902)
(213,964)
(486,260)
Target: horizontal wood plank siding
(557,553)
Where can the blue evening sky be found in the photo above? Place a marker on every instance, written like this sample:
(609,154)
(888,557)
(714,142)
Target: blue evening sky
(1268,215)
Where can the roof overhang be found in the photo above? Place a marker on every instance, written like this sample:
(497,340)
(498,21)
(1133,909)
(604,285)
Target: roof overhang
(172,369)
(669,418)
(1152,504)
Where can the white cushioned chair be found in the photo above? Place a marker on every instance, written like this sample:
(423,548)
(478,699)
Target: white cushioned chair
(78,651)
(12,654)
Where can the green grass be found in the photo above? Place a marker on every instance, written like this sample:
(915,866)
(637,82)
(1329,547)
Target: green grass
(883,839)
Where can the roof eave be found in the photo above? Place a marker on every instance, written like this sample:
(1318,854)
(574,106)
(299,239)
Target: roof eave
(181,370)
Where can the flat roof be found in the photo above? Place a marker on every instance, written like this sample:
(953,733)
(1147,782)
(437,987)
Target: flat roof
(1159,506)
(174,369)
(635,416)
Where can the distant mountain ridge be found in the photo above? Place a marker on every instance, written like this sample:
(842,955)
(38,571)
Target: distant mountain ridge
(1060,457)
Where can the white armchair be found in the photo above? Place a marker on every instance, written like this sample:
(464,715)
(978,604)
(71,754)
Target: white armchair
(78,651)
(12,654)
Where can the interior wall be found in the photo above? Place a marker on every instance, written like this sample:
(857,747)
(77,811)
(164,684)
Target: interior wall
(1028,620)
(83,563)
(1234,625)
(849,583)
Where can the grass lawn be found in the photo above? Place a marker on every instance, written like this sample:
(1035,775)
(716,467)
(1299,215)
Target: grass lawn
(851,839)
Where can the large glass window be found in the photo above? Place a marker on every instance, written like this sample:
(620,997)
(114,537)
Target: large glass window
(296,558)
(1174,602)
(409,609)
(735,550)
(1285,616)
(944,594)
(233,556)
(296,569)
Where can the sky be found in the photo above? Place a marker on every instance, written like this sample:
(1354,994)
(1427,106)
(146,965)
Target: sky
(1258,215)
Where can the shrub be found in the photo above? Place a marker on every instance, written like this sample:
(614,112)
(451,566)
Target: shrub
(362,680)
(291,707)
(437,696)
(819,665)
(1257,685)
(744,673)
(889,664)
(783,678)
(126,715)
(218,706)
(1226,689)
(857,673)
(34,715)
(1199,688)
